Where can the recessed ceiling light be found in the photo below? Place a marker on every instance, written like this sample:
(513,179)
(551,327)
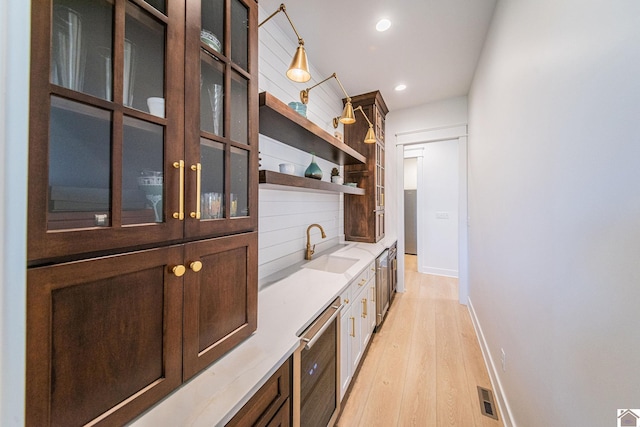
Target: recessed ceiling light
(383,25)
(400,87)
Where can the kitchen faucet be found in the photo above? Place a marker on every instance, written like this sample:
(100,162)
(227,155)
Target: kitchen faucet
(311,250)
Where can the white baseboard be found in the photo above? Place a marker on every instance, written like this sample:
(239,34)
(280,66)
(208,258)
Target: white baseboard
(503,404)
(439,271)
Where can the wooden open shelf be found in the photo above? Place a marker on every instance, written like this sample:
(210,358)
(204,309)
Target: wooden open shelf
(281,123)
(280,181)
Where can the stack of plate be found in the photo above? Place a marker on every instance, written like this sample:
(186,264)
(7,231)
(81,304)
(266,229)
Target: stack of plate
(208,38)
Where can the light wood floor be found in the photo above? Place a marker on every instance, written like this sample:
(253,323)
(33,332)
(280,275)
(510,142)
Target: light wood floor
(423,367)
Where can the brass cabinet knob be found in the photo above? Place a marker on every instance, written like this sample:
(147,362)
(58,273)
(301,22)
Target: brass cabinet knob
(178,270)
(196,266)
(346,300)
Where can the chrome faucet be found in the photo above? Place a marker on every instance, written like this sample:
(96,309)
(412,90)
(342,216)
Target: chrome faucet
(311,250)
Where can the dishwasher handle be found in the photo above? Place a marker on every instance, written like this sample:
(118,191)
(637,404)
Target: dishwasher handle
(325,321)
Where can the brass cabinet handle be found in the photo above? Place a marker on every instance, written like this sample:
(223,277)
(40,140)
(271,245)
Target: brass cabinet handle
(353,327)
(197,168)
(362,282)
(373,294)
(364,307)
(195,266)
(180,214)
(178,270)
(346,300)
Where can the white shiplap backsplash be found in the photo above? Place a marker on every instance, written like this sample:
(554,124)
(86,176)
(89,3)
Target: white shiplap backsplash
(285,215)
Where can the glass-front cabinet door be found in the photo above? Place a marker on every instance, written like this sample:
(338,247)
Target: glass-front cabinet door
(107,130)
(220,117)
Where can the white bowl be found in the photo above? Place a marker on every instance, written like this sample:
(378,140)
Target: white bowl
(287,168)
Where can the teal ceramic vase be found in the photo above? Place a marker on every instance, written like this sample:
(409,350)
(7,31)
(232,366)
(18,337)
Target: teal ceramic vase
(313,171)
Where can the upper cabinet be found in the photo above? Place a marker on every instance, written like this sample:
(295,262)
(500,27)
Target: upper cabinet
(364,215)
(221,117)
(143,129)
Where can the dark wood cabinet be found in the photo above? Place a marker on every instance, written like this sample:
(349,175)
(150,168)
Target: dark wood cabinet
(142,215)
(220,300)
(104,337)
(108,170)
(271,405)
(364,215)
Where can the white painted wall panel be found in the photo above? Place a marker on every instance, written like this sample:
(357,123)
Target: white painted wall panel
(554,201)
(14,124)
(285,215)
(438,206)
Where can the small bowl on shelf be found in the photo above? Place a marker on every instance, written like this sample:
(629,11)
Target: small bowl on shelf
(299,108)
(351,184)
(287,168)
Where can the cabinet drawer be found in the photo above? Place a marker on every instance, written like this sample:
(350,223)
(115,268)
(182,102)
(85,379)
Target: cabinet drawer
(345,298)
(359,281)
(372,270)
(271,404)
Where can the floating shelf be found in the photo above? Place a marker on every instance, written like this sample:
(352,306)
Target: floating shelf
(280,181)
(281,123)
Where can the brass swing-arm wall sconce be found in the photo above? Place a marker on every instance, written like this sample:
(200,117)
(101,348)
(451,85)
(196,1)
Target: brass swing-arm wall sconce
(348,116)
(299,69)
(370,137)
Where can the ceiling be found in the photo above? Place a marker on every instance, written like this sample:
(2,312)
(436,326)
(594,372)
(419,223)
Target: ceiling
(432,46)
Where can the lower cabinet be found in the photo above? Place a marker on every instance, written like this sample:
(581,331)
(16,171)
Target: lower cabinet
(357,324)
(105,336)
(221,300)
(271,405)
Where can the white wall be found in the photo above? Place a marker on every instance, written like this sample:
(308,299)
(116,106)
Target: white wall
(407,126)
(438,209)
(554,201)
(285,215)
(14,116)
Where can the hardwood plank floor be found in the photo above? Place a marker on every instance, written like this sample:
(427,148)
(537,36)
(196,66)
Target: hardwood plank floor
(423,367)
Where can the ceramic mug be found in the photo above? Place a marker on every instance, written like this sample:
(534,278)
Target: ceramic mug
(156,106)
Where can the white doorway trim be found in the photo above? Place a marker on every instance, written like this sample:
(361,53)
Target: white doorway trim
(403,139)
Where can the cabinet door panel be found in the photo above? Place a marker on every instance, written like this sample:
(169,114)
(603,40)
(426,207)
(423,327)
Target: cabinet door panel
(221,134)
(345,351)
(220,299)
(103,337)
(91,125)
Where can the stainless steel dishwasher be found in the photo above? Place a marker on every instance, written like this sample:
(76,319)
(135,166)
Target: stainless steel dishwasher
(382,286)
(316,371)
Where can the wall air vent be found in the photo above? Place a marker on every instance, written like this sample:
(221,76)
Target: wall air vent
(487,404)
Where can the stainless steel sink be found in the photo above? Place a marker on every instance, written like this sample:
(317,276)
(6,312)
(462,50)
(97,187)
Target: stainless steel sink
(331,263)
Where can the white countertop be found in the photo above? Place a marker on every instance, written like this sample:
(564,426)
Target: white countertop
(285,308)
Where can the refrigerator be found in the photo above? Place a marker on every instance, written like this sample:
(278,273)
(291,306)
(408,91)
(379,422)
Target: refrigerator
(410,222)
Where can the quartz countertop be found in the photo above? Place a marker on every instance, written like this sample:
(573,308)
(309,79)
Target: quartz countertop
(287,304)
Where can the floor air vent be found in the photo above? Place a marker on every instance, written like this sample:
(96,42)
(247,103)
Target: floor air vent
(487,405)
